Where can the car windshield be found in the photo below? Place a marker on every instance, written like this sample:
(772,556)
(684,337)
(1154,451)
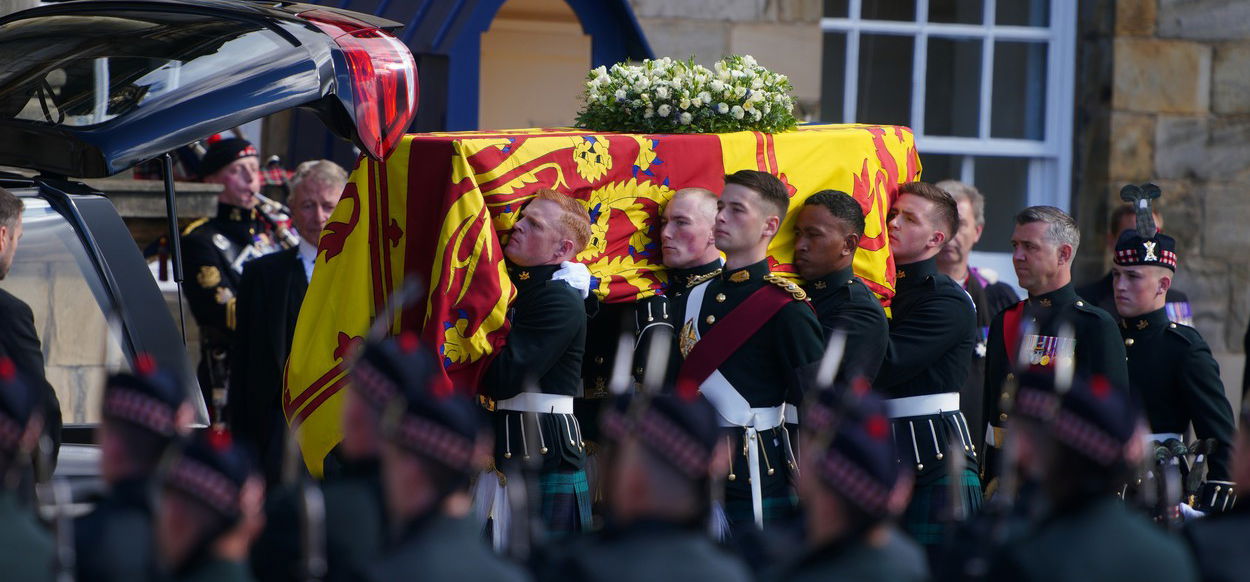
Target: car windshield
(52,274)
(83,70)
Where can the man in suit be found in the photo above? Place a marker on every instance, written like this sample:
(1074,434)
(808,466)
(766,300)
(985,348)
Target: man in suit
(270,294)
(18,340)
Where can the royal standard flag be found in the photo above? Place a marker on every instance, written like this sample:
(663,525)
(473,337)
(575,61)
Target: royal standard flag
(438,208)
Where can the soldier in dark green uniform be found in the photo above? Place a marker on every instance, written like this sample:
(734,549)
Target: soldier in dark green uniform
(852,489)
(544,351)
(433,444)
(932,334)
(26,548)
(208,511)
(745,336)
(1090,443)
(214,250)
(139,423)
(1045,242)
(1218,542)
(826,235)
(662,450)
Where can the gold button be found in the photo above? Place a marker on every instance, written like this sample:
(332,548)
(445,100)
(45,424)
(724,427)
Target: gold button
(1080,304)
(1129,341)
(1006,397)
(710,319)
(1003,417)
(1172,325)
(720,297)
(1011,377)
(598,359)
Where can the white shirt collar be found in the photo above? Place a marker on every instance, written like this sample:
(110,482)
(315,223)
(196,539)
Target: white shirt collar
(307,256)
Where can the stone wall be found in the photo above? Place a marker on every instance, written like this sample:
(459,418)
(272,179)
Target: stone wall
(1180,117)
(784,35)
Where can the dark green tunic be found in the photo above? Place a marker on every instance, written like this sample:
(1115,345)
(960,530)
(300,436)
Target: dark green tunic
(1171,368)
(437,547)
(114,541)
(932,334)
(215,570)
(844,303)
(1096,540)
(1218,543)
(898,560)
(650,550)
(26,548)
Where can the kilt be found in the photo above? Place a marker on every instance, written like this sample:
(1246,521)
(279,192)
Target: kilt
(565,502)
(778,508)
(927,516)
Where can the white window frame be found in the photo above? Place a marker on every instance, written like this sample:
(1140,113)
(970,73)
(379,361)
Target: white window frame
(1050,166)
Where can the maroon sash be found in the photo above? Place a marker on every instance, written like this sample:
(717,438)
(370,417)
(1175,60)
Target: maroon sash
(731,332)
(1011,332)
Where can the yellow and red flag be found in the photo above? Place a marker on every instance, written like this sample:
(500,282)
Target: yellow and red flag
(438,207)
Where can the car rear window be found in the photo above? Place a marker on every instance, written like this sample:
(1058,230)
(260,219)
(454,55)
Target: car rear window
(84,70)
(52,274)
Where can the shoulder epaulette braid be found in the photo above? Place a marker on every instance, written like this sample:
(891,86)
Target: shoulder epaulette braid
(787,285)
(699,279)
(194,225)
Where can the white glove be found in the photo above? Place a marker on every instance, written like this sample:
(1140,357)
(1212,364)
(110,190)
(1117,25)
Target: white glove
(576,275)
(1189,514)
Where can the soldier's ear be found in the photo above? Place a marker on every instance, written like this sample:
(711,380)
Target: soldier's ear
(772,225)
(1065,254)
(852,243)
(1165,283)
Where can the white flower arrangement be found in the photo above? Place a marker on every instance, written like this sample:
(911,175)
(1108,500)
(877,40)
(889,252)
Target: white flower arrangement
(668,96)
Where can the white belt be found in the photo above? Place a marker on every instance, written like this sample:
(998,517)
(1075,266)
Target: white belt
(537,402)
(792,413)
(758,418)
(922,405)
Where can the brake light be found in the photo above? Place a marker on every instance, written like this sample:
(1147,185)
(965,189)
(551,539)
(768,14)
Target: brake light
(384,79)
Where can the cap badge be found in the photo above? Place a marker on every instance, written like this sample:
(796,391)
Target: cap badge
(1150,251)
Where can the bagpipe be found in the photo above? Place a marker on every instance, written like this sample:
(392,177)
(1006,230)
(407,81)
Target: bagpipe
(1171,485)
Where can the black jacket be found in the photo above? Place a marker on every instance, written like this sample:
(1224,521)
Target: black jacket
(989,299)
(547,339)
(844,303)
(932,334)
(20,343)
(270,294)
(1172,371)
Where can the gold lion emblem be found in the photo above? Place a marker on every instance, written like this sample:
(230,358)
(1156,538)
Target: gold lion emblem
(208,277)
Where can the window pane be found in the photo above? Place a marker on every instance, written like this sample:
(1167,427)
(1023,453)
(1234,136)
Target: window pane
(938,167)
(953,87)
(1019,100)
(956,11)
(835,8)
(885,64)
(1005,184)
(1023,12)
(889,10)
(833,78)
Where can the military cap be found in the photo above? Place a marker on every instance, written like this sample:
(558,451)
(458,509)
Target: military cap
(18,404)
(223,152)
(426,417)
(1133,249)
(1036,397)
(857,457)
(1099,421)
(387,366)
(148,398)
(681,429)
(211,470)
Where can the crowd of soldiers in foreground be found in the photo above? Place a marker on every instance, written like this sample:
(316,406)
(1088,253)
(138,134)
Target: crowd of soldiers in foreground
(749,427)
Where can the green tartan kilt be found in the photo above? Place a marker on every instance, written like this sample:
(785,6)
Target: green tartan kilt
(928,514)
(565,502)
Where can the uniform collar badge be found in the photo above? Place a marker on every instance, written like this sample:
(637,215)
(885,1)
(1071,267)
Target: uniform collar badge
(1142,324)
(523,275)
(740,276)
(819,285)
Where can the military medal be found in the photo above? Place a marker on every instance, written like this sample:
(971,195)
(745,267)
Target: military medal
(687,339)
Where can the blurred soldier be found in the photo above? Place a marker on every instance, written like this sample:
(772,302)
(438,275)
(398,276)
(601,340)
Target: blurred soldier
(18,339)
(1218,541)
(26,548)
(1092,440)
(659,482)
(208,512)
(853,488)
(270,294)
(1170,367)
(434,443)
(215,249)
(1044,243)
(544,350)
(989,295)
(1102,292)
(932,334)
(140,419)
(826,236)
(745,335)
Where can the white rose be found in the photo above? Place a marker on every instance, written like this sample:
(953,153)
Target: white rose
(664,110)
(737,112)
(620,94)
(685,118)
(756,114)
(722,108)
(757,84)
(696,102)
(748,105)
(740,92)
(684,104)
(661,92)
(717,86)
(648,114)
(749,60)
(705,97)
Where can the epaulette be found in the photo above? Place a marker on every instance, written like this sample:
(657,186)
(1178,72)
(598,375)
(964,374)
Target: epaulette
(787,285)
(1183,331)
(700,279)
(194,225)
